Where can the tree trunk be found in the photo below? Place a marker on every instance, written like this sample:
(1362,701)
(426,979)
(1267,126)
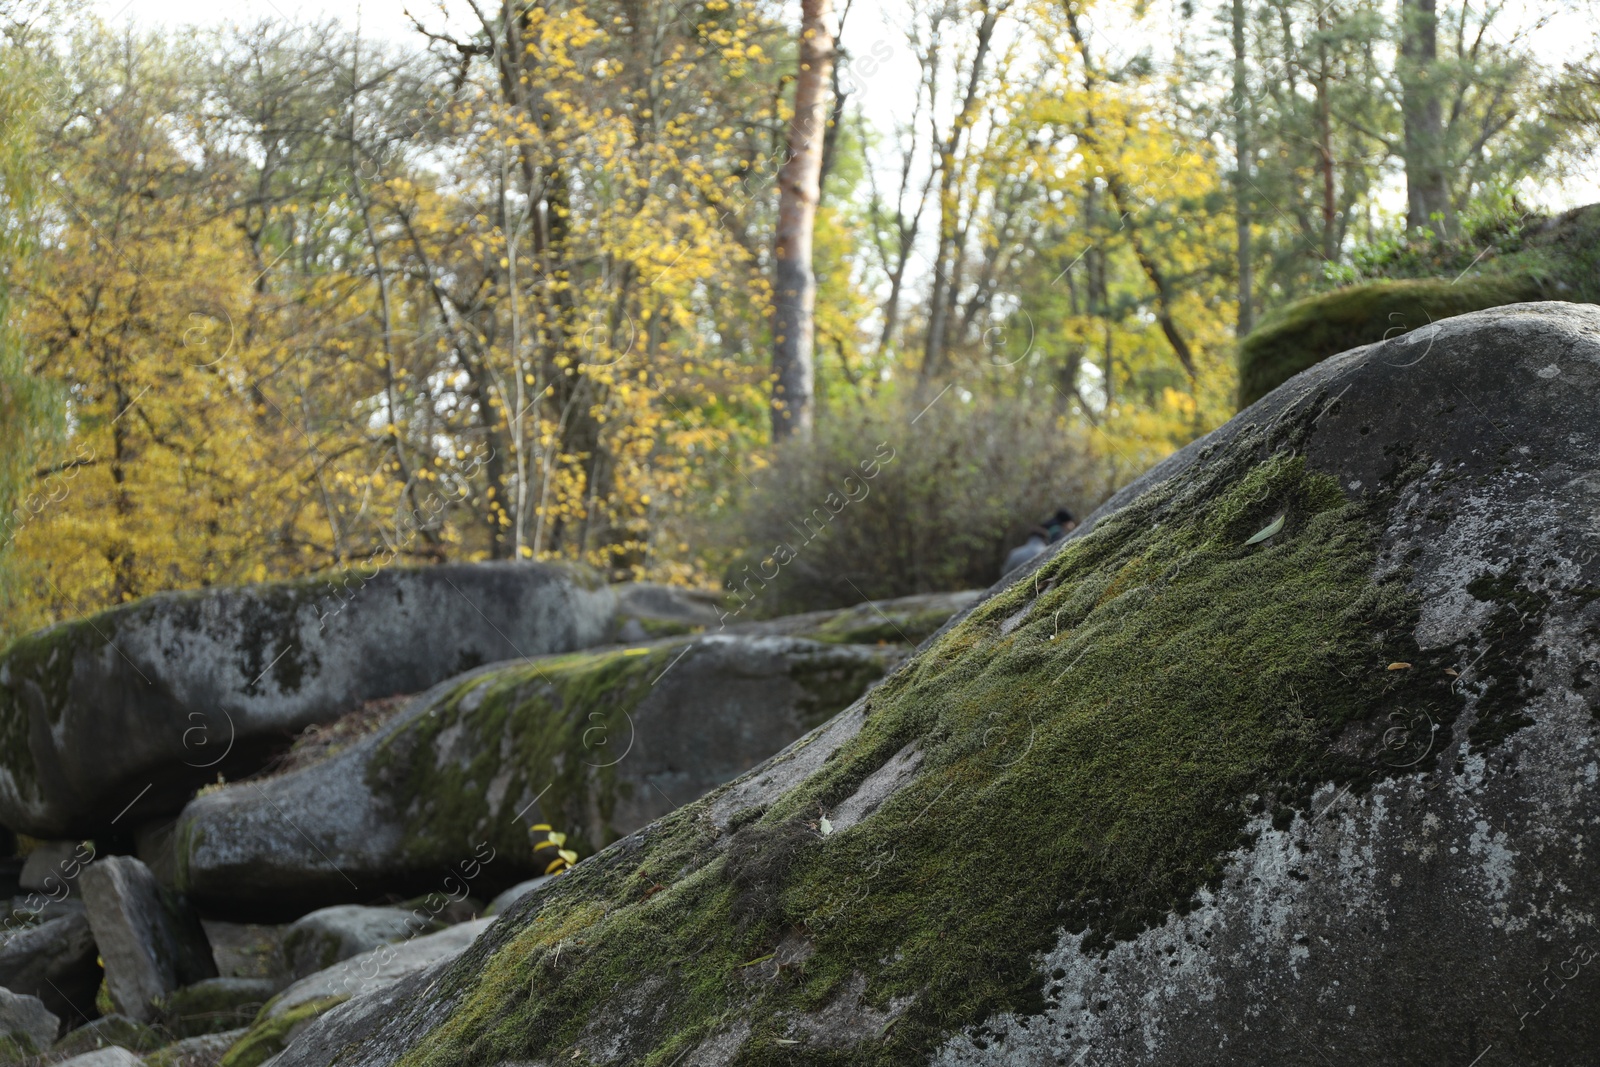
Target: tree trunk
(1330,210)
(1241,193)
(1427,191)
(799,189)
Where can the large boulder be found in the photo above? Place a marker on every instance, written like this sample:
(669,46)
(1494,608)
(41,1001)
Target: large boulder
(441,798)
(114,720)
(1289,757)
(150,940)
(56,961)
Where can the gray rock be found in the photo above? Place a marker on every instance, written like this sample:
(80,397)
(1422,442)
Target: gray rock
(55,961)
(378,969)
(127,713)
(110,1031)
(516,893)
(25,1020)
(327,936)
(1233,790)
(106,1057)
(151,942)
(648,610)
(52,867)
(206,1050)
(596,744)
(247,950)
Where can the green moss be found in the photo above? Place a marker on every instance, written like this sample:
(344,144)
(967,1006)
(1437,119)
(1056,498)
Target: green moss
(1313,328)
(17,1048)
(1087,765)
(558,724)
(269,1036)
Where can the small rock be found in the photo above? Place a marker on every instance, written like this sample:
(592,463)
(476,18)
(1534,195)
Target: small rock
(55,961)
(106,1057)
(247,950)
(150,941)
(330,935)
(516,893)
(47,867)
(25,1021)
(111,1031)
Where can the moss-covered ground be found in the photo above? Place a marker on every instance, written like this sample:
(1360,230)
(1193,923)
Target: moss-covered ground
(1406,285)
(1087,765)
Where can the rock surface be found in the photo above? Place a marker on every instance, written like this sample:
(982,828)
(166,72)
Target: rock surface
(55,961)
(106,1057)
(116,719)
(150,940)
(323,938)
(25,1023)
(377,969)
(1290,755)
(110,1031)
(440,799)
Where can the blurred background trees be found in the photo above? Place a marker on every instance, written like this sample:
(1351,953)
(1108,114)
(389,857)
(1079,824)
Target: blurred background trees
(281,298)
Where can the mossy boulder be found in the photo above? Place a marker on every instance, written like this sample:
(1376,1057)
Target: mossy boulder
(1288,755)
(1510,262)
(111,1031)
(215,1005)
(116,719)
(440,799)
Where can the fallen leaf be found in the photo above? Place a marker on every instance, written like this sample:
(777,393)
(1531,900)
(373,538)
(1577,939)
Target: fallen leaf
(1267,531)
(1451,673)
(1399,666)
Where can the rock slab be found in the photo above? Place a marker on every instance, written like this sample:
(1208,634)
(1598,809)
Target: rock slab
(152,943)
(440,799)
(115,720)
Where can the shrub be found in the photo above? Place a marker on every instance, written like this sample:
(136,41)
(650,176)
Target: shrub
(889,502)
